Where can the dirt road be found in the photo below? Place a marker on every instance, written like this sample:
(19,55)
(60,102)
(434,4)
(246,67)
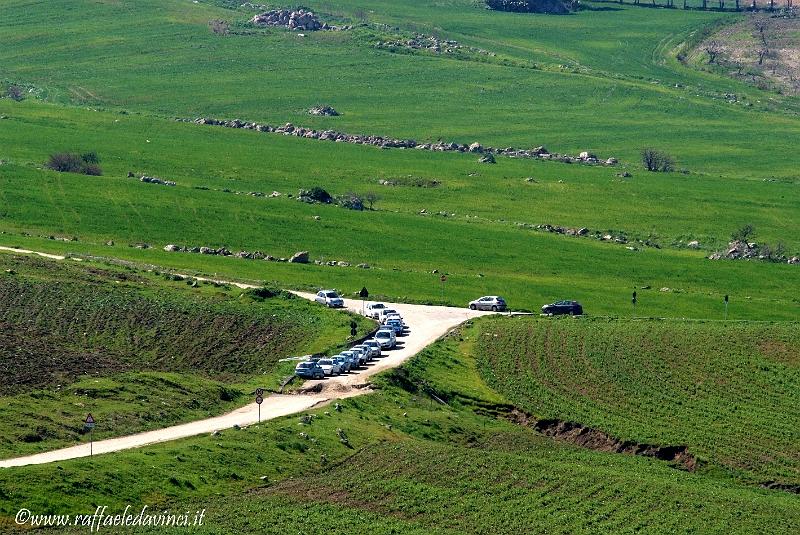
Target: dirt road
(426,324)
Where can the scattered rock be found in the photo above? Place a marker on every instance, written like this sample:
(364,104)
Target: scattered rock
(325,111)
(299,258)
(540,152)
(489,158)
(156,180)
(275,194)
(694,244)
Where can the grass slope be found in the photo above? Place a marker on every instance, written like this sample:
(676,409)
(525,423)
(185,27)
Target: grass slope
(593,69)
(529,267)
(137,351)
(402,470)
(728,391)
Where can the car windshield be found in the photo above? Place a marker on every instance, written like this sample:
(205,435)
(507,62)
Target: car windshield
(325,361)
(388,311)
(332,295)
(383,334)
(304,365)
(378,305)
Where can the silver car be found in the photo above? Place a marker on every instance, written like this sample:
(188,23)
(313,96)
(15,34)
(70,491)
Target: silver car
(375,346)
(329,298)
(352,356)
(386,338)
(495,303)
(344,364)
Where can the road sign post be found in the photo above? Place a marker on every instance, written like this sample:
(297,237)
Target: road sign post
(633,300)
(726,306)
(353,328)
(364,293)
(89,424)
(259,401)
(443,278)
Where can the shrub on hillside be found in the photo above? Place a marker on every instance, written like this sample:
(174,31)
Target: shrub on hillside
(14,92)
(219,27)
(68,162)
(657,161)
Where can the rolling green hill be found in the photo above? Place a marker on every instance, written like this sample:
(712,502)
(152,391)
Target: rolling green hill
(727,391)
(137,350)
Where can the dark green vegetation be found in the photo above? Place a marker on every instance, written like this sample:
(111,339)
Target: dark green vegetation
(728,391)
(396,461)
(137,350)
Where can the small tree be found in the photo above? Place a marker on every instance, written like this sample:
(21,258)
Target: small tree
(219,26)
(657,161)
(713,49)
(15,92)
(372,197)
(744,233)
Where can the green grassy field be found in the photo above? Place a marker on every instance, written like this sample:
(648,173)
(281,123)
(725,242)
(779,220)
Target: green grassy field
(403,470)
(137,351)
(141,350)
(725,390)
(529,267)
(606,80)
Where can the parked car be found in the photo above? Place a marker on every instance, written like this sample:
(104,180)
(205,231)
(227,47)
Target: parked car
(329,298)
(328,366)
(396,317)
(396,324)
(495,303)
(563,307)
(309,370)
(365,351)
(385,312)
(386,339)
(373,310)
(375,346)
(352,357)
(342,362)
(362,354)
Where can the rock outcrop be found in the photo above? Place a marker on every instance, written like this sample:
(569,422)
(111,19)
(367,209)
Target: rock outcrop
(555,7)
(325,111)
(300,20)
(288,129)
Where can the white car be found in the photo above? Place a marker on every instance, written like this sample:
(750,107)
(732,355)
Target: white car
(386,339)
(328,366)
(373,310)
(329,298)
(385,312)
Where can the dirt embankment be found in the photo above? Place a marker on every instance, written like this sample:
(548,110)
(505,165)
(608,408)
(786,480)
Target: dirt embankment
(763,50)
(594,439)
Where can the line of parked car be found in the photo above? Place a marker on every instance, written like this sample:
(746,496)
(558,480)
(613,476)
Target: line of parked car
(385,338)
